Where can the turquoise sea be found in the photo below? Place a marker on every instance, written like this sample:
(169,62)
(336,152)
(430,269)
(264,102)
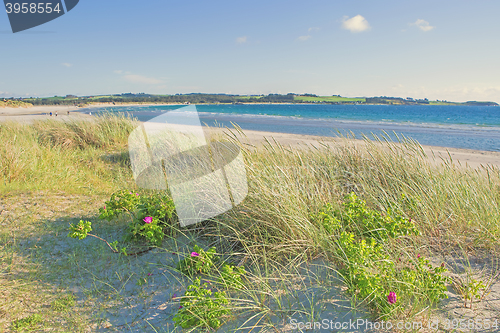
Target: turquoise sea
(472,127)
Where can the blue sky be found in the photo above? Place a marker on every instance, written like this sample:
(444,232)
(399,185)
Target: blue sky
(434,49)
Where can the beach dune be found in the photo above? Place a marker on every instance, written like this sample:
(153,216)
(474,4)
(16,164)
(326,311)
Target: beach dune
(460,157)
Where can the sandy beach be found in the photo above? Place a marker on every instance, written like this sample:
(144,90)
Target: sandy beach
(461,157)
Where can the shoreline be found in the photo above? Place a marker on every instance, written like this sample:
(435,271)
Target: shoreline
(460,156)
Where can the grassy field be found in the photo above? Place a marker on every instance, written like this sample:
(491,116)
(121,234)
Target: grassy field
(330,99)
(323,233)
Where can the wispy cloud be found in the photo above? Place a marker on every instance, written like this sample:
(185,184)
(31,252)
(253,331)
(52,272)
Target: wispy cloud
(304,38)
(355,24)
(313,29)
(423,25)
(134,78)
(118,71)
(241,40)
(66,64)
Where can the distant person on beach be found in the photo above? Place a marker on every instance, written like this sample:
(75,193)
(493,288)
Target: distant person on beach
(51,113)
(56,113)
(68,112)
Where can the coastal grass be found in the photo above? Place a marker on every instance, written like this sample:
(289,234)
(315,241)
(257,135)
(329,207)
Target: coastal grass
(14,104)
(56,173)
(70,156)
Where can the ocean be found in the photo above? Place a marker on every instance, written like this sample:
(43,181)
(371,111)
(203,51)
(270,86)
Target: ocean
(471,127)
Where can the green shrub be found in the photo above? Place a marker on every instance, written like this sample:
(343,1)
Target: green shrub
(230,276)
(153,216)
(199,308)
(198,261)
(367,266)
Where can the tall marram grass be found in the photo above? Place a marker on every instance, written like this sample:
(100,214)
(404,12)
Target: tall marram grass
(449,203)
(64,155)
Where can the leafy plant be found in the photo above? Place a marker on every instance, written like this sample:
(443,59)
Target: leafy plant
(120,202)
(368,270)
(356,217)
(230,276)
(82,230)
(469,289)
(152,217)
(27,323)
(199,261)
(158,209)
(199,308)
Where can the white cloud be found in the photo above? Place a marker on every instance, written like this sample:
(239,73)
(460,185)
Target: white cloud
(241,40)
(141,79)
(355,24)
(304,38)
(423,25)
(118,71)
(66,64)
(313,29)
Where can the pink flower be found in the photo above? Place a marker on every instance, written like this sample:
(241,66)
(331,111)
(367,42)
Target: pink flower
(137,194)
(149,274)
(418,256)
(104,207)
(194,254)
(148,219)
(391,298)
(174,296)
(180,306)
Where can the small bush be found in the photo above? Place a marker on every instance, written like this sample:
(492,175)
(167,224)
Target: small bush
(367,266)
(199,308)
(198,261)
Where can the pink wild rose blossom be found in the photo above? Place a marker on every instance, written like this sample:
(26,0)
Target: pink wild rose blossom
(391,298)
(148,219)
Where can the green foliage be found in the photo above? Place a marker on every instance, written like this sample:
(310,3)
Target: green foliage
(421,277)
(199,261)
(365,269)
(63,303)
(358,218)
(200,308)
(121,201)
(469,289)
(27,323)
(230,276)
(366,265)
(157,207)
(81,230)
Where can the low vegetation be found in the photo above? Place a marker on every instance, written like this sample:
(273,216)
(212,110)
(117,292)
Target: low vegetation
(12,103)
(370,224)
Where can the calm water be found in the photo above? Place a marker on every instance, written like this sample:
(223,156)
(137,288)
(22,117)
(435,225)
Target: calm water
(473,127)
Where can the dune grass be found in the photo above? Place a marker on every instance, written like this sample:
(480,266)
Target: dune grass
(53,173)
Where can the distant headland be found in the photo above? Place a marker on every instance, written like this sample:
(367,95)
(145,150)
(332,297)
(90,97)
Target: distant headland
(200,98)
